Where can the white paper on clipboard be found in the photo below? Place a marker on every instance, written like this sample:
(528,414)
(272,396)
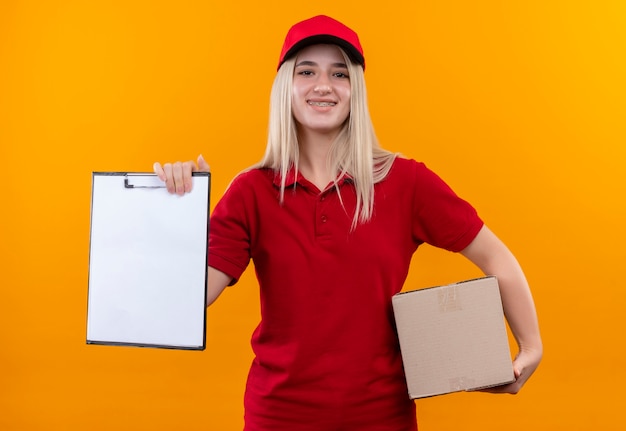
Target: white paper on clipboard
(147,262)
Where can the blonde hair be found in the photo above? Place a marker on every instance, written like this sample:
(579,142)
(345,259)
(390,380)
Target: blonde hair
(354,152)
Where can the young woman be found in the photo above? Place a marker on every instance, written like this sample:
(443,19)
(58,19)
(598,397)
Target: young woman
(331,221)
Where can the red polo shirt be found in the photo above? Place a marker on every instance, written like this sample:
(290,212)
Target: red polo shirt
(327,355)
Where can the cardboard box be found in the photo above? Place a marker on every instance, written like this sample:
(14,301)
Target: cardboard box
(453,338)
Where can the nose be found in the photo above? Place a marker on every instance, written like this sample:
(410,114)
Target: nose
(322,85)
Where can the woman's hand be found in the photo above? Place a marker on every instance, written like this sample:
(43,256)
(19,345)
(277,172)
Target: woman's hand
(524,366)
(177,176)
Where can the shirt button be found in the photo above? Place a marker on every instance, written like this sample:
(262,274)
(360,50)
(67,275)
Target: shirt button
(324,219)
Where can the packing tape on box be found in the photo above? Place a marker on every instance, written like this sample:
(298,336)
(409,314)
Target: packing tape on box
(461,383)
(449,299)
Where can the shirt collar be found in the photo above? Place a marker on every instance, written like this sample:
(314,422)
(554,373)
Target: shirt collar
(291,178)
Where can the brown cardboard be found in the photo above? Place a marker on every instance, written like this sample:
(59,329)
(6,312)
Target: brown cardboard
(453,338)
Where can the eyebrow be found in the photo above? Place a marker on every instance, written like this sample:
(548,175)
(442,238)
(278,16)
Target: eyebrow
(312,63)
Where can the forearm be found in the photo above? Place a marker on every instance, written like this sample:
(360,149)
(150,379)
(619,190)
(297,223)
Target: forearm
(517,302)
(494,258)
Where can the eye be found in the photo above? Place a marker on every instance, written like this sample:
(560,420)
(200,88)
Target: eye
(305,73)
(341,75)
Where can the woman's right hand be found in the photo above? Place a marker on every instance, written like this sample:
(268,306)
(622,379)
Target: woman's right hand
(177,176)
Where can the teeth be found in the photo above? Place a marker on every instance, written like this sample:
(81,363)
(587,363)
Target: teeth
(321,103)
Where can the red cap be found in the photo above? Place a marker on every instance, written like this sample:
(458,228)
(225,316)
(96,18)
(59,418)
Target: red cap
(322,29)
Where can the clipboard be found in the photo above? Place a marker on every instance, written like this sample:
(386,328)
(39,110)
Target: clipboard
(147,262)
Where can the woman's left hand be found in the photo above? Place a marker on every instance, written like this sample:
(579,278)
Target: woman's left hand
(524,366)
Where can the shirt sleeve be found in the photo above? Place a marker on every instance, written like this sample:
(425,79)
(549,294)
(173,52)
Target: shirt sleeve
(229,233)
(441,218)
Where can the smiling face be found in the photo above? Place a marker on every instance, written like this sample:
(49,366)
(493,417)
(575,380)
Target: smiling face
(321,90)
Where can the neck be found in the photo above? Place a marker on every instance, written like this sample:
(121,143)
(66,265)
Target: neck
(313,164)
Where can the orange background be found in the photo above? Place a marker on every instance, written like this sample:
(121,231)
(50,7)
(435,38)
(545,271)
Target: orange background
(519,106)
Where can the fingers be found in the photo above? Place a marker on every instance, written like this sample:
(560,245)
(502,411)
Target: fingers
(523,367)
(510,388)
(187,169)
(178,173)
(169,178)
(178,176)
(203,166)
(158,169)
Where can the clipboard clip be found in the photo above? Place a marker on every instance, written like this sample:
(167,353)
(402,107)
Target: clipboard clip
(143,181)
